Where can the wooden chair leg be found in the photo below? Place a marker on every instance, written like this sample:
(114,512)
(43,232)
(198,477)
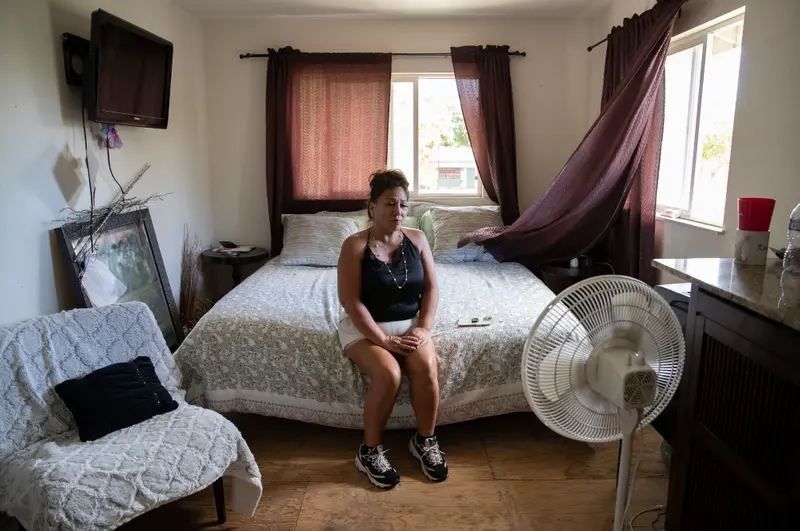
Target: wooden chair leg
(219,498)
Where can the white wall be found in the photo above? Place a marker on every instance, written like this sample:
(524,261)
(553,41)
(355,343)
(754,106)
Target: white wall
(41,138)
(599,26)
(621,9)
(765,159)
(550,94)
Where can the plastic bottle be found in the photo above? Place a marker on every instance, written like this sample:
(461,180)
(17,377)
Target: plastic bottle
(790,277)
(791,260)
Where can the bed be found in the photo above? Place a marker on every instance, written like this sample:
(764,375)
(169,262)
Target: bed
(271,347)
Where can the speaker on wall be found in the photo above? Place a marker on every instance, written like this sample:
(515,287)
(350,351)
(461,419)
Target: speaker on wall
(76,51)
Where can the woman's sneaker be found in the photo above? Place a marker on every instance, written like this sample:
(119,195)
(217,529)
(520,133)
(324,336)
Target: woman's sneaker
(372,461)
(431,458)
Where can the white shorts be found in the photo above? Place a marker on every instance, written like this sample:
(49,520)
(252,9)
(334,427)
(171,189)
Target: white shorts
(349,334)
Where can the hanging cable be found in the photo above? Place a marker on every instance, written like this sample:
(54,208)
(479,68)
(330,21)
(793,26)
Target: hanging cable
(108,154)
(645,511)
(613,272)
(635,467)
(89,178)
(661,513)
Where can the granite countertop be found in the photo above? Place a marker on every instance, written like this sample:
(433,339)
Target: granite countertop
(766,290)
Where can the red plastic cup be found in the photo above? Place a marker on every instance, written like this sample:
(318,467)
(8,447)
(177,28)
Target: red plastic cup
(755,213)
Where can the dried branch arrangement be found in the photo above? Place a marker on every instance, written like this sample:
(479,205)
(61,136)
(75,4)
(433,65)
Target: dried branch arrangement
(120,203)
(98,217)
(193,303)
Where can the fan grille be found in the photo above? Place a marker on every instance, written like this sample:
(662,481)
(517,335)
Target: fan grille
(640,388)
(580,318)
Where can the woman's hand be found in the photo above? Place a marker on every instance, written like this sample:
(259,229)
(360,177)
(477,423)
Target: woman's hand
(402,345)
(423,335)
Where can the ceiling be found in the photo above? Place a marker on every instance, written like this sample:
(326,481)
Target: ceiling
(391,8)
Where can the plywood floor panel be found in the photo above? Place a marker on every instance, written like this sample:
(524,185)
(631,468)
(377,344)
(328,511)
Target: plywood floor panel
(506,473)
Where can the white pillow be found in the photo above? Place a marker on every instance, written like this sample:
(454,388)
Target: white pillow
(314,240)
(364,222)
(451,223)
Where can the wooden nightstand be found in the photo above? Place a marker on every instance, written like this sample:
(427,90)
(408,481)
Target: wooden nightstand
(236,262)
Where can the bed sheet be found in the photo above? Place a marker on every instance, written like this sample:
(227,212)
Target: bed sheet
(271,346)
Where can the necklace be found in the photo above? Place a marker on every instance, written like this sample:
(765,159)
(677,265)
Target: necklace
(389,269)
(405,269)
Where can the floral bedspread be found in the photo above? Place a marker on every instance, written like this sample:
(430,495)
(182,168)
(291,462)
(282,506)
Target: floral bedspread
(271,346)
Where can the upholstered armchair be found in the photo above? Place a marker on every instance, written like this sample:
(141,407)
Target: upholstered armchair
(49,479)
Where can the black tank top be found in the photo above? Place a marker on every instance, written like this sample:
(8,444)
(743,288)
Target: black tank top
(379,291)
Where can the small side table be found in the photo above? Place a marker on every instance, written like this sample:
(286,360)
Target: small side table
(559,278)
(236,262)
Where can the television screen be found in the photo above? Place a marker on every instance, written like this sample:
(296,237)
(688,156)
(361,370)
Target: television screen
(129,74)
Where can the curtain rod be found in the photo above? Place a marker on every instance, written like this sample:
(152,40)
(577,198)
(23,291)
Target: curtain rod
(403,54)
(595,45)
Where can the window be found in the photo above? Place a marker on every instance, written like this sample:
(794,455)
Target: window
(428,138)
(702,79)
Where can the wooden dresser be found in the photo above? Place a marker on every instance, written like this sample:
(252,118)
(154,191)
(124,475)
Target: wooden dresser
(736,448)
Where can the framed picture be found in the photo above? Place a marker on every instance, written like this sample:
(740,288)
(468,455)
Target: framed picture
(126,266)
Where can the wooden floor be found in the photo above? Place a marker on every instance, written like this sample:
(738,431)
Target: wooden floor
(506,472)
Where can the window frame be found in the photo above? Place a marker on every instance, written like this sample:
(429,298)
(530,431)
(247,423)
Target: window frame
(415,194)
(698,37)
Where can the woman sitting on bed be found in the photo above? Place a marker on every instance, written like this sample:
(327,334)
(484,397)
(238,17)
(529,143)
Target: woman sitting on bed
(387,286)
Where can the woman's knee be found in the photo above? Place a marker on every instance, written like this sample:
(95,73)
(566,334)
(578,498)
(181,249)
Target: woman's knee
(388,376)
(421,364)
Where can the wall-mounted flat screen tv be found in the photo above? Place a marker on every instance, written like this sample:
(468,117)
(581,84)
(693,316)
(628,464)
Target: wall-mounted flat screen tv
(129,74)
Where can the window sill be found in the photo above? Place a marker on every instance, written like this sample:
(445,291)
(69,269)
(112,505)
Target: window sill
(692,223)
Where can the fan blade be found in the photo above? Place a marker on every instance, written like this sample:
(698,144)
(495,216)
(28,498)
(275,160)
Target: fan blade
(561,370)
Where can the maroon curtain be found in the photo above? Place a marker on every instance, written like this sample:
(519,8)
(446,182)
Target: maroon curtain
(327,130)
(483,78)
(578,211)
(279,163)
(630,244)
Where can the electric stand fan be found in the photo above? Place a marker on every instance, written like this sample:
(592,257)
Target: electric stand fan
(603,358)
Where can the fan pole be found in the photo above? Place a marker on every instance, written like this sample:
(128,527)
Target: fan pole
(628,420)
(622,481)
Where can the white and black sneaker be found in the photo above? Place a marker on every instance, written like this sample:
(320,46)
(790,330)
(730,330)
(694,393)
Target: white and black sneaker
(431,458)
(372,461)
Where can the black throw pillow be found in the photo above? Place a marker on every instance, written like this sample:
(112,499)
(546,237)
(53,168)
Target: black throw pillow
(115,397)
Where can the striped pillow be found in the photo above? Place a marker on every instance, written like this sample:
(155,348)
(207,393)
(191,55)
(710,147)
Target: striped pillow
(350,214)
(314,240)
(451,223)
